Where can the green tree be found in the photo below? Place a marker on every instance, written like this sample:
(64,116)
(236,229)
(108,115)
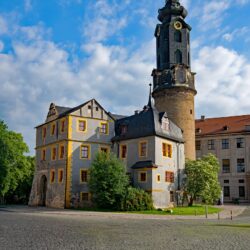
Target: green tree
(21,194)
(108,181)
(202,179)
(14,165)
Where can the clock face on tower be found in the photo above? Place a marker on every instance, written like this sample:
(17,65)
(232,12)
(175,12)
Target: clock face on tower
(177,25)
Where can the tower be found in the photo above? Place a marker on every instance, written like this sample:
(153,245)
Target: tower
(174,88)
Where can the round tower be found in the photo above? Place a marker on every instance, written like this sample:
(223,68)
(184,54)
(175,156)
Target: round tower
(174,82)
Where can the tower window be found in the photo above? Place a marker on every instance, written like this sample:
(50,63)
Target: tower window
(158,42)
(178,56)
(177,36)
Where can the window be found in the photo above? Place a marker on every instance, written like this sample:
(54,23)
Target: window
(242,192)
(226,181)
(104,150)
(225,166)
(142,176)
(44,132)
(82,126)
(85,196)
(53,129)
(53,154)
(241,181)
(240,166)
(171,196)
(226,191)
(123,151)
(104,128)
(62,126)
(62,152)
(225,143)
(43,154)
(84,176)
(198,145)
(85,151)
(169,176)
(166,150)
(52,176)
(240,142)
(211,145)
(178,56)
(158,178)
(60,175)
(177,36)
(143,149)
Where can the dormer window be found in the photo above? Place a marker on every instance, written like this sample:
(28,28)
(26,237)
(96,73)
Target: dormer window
(165,124)
(198,130)
(124,129)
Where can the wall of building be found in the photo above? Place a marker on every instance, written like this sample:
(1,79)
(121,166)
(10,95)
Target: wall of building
(233,178)
(179,105)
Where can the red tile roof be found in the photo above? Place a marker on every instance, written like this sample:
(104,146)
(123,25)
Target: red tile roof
(222,125)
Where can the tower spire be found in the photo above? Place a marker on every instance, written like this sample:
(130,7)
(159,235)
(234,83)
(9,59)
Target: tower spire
(150,96)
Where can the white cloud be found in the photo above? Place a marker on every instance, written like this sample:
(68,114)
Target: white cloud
(222,82)
(1,46)
(212,14)
(3,26)
(237,33)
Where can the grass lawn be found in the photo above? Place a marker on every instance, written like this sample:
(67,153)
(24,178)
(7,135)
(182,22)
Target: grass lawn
(194,210)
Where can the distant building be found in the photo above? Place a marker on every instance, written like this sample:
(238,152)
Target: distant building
(229,139)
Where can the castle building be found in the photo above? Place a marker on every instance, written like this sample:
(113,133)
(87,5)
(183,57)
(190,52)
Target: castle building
(229,139)
(151,142)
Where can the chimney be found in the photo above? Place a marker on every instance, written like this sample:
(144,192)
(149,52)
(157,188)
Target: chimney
(137,112)
(203,117)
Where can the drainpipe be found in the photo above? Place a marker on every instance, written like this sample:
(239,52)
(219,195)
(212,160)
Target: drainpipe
(178,171)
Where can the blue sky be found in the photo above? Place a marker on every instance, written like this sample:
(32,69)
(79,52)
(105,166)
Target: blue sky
(68,51)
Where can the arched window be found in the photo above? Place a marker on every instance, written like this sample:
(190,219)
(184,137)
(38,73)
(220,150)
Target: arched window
(159,61)
(178,56)
(177,36)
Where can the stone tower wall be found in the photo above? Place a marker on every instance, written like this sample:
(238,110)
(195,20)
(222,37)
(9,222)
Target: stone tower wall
(179,105)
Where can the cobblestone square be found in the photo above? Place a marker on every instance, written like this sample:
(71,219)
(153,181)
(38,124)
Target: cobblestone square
(29,228)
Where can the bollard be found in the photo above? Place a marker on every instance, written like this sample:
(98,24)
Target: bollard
(206,211)
(231,214)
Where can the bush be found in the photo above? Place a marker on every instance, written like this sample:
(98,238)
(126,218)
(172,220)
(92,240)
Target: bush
(137,200)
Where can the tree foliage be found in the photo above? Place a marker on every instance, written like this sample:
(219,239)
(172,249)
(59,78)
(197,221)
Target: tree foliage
(202,179)
(14,165)
(137,200)
(108,181)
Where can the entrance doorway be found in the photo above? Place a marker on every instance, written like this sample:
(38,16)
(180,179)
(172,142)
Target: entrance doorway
(43,191)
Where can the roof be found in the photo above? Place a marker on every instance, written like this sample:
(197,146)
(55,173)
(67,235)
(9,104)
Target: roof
(144,164)
(117,117)
(148,122)
(64,111)
(223,125)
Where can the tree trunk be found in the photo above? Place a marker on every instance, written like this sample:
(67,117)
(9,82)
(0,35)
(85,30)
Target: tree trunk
(191,201)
